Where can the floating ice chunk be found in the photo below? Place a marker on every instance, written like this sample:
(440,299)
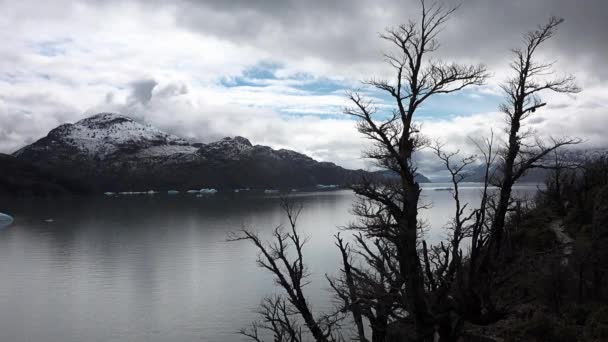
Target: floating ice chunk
(5,220)
(151,192)
(109,193)
(271,191)
(323,186)
(172,192)
(192,191)
(208,191)
(49,220)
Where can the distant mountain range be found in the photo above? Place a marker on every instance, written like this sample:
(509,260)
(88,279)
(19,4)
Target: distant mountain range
(536,175)
(388,174)
(112,152)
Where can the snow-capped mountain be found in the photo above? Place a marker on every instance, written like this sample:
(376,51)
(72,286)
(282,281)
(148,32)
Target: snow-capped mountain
(112,152)
(105,135)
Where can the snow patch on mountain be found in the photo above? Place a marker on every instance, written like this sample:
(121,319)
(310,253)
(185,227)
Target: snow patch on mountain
(104,134)
(228,148)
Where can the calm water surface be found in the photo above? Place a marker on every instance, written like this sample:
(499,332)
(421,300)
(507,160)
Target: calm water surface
(158,268)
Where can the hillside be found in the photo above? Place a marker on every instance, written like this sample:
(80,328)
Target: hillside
(20,178)
(112,152)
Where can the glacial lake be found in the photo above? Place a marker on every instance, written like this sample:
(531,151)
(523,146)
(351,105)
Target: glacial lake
(158,268)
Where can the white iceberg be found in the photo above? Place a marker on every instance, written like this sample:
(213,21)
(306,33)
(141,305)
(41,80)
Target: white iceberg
(323,186)
(208,191)
(172,192)
(109,193)
(192,191)
(271,191)
(5,220)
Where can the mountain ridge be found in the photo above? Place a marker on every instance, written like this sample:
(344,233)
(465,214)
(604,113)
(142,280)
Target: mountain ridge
(113,152)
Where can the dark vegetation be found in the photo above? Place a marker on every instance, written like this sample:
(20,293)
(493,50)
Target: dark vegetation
(20,178)
(510,269)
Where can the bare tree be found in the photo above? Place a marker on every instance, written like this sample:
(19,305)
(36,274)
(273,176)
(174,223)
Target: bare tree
(523,100)
(480,229)
(279,319)
(417,78)
(459,227)
(290,273)
(559,179)
(371,288)
(390,277)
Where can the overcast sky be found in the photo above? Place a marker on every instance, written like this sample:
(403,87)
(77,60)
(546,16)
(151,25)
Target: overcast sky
(276,71)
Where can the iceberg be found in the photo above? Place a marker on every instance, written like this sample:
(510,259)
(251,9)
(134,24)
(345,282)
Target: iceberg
(208,191)
(192,191)
(323,186)
(271,191)
(172,192)
(5,220)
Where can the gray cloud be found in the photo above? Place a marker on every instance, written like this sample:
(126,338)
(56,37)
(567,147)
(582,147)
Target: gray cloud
(347,32)
(165,66)
(19,126)
(142,91)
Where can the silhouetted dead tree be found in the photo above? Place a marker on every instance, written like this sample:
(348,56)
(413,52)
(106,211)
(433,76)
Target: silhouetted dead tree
(460,225)
(446,264)
(369,289)
(559,178)
(481,227)
(280,315)
(523,151)
(396,137)
(390,277)
(279,319)
(522,100)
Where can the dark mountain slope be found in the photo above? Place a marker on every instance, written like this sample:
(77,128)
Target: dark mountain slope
(112,152)
(21,178)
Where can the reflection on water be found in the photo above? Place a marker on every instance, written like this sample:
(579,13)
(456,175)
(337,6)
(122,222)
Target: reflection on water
(157,268)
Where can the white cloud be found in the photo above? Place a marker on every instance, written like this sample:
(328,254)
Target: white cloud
(63,60)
